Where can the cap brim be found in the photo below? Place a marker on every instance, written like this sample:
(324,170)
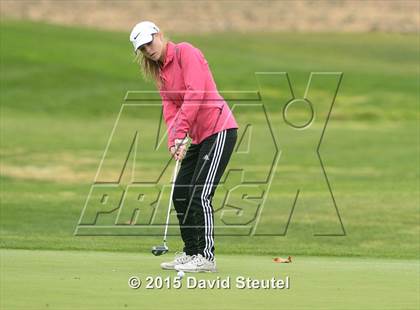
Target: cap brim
(142,40)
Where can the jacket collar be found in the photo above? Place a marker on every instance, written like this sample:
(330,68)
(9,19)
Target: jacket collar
(170,50)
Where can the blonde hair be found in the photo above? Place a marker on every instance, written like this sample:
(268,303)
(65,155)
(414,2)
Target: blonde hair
(148,67)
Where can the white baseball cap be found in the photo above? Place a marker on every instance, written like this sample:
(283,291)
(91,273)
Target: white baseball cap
(142,33)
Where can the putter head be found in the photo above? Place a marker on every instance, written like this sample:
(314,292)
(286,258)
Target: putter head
(159,250)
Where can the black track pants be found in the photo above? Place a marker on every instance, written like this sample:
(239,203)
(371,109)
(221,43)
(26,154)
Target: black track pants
(198,177)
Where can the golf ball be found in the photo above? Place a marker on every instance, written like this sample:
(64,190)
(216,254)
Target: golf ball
(180,274)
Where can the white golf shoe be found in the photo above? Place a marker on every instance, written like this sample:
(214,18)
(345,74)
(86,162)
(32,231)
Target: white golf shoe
(197,264)
(180,258)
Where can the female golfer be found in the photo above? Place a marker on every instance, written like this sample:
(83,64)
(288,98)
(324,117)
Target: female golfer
(192,107)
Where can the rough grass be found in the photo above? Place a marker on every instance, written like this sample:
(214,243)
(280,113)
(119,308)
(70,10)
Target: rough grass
(61,90)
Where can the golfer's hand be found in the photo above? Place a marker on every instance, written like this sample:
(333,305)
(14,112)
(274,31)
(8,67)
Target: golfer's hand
(179,149)
(178,154)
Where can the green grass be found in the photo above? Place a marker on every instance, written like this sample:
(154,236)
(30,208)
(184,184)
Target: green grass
(61,91)
(52,279)
(380,217)
(86,72)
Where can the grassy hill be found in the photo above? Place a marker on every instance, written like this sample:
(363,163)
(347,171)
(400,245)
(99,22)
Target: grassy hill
(62,89)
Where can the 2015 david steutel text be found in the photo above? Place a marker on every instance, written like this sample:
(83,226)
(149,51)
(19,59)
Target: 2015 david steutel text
(191,282)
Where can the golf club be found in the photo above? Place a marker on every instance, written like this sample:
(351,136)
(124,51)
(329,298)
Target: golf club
(163,249)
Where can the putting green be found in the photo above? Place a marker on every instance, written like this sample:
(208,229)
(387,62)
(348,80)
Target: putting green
(99,280)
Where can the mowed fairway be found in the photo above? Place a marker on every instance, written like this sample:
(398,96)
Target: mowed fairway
(99,280)
(61,91)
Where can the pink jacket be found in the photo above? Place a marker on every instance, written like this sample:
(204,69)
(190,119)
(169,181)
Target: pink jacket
(191,103)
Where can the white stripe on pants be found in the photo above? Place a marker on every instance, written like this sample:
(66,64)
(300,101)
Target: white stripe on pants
(205,201)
